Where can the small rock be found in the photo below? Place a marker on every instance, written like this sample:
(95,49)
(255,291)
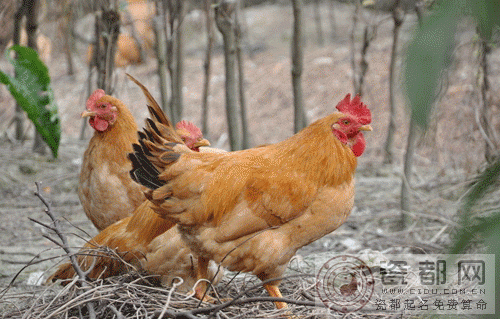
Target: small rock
(36,278)
(351,243)
(323,61)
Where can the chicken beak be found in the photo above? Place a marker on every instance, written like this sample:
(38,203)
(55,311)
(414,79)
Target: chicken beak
(366,128)
(202,142)
(88,113)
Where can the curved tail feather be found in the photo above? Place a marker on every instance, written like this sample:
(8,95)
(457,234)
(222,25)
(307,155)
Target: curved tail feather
(158,135)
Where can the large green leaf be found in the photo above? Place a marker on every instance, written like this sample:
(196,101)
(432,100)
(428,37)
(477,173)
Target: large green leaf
(486,226)
(487,15)
(32,91)
(428,55)
(430,51)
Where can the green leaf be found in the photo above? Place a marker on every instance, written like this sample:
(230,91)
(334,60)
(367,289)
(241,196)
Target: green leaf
(486,226)
(32,91)
(487,15)
(428,55)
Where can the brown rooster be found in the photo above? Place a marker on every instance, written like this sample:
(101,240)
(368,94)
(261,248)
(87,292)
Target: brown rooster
(105,189)
(143,240)
(251,210)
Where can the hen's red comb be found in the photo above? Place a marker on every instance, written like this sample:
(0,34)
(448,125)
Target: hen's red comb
(93,98)
(355,108)
(190,127)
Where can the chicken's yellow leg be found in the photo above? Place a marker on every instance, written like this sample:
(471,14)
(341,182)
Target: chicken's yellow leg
(274,291)
(200,291)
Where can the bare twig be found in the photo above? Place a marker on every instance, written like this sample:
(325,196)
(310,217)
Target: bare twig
(65,246)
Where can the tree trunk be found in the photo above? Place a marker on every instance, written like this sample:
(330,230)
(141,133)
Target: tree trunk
(408,167)
(224,17)
(88,88)
(19,115)
(31,27)
(317,18)
(241,82)
(398,17)
(300,120)
(488,131)
(107,31)
(179,62)
(65,27)
(160,47)
(170,16)
(209,17)
(410,151)
(352,41)
(331,18)
(368,36)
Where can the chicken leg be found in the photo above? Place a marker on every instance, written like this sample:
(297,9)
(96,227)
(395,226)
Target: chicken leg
(274,291)
(201,290)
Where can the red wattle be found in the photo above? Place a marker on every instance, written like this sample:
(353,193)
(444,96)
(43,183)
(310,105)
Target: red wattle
(98,124)
(359,147)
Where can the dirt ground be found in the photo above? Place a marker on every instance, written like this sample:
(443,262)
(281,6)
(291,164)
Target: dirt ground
(448,157)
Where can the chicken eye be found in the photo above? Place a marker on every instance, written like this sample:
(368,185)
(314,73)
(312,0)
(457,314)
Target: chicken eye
(346,122)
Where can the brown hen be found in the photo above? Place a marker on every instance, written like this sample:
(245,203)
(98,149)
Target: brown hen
(251,210)
(143,240)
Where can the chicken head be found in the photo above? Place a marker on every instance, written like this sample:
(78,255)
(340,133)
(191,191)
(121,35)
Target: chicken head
(348,129)
(102,114)
(191,135)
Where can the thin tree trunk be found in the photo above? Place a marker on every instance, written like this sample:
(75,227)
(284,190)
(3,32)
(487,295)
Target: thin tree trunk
(300,120)
(19,115)
(65,27)
(368,36)
(490,140)
(317,18)
(408,168)
(209,17)
(179,62)
(224,15)
(170,16)
(352,41)
(408,164)
(241,82)
(107,31)
(31,27)
(87,93)
(398,17)
(331,18)
(160,47)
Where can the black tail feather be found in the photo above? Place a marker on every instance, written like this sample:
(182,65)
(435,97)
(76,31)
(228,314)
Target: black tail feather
(155,148)
(143,172)
(152,124)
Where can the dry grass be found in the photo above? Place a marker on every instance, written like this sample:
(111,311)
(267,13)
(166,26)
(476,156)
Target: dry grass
(135,296)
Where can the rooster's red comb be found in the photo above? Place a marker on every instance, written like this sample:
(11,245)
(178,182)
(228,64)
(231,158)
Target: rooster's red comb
(93,98)
(355,108)
(190,127)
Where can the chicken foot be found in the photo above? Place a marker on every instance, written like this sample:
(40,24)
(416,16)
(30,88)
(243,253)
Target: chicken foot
(201,289)
(274,291)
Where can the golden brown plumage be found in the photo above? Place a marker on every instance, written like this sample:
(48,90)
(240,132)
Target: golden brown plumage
(143,240)
(251,210)
(105,189)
